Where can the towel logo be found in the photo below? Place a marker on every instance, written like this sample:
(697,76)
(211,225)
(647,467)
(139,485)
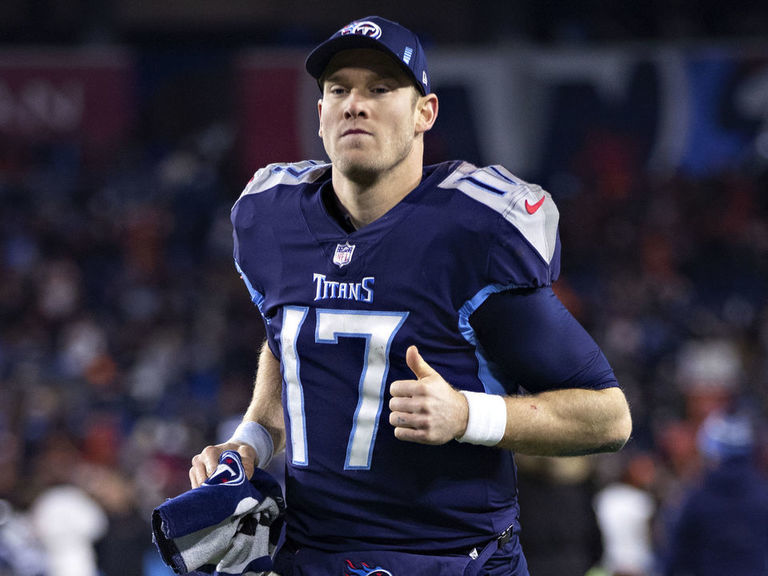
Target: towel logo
(229,471)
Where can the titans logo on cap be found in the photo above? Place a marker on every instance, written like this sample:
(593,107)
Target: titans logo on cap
(362,28)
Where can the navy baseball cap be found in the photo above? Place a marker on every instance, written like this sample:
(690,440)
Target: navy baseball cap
(379,34)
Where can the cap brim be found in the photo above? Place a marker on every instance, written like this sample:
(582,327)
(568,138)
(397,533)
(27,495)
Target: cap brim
(320,57)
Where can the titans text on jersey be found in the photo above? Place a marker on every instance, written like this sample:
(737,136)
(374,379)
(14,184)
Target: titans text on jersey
(328,289)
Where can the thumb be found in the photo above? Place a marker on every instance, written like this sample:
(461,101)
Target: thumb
(417,364)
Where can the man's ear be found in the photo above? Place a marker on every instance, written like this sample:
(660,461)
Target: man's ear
(426,112)
(320,117)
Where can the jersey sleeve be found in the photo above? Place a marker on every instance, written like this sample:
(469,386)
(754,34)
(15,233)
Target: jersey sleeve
(537,344)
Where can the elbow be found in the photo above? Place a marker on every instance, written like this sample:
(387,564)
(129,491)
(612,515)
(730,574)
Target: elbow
(621,428)
(615,428)
(622,435)
(626,427)
(610,432)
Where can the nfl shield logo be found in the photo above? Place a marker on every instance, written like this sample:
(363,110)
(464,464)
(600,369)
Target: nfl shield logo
(343,254)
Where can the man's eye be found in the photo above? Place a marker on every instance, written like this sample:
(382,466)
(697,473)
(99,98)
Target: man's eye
(380,89)
(336,90)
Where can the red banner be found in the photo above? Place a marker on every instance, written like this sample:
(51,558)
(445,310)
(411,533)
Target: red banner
(269,98)
(81,95)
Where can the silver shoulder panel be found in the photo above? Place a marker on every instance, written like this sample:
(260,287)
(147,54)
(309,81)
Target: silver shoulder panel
(526,206)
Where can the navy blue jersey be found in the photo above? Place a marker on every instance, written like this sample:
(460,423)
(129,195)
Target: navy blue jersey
(341,308)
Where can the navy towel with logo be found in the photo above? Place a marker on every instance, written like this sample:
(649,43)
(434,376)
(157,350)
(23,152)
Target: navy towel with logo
(228,526)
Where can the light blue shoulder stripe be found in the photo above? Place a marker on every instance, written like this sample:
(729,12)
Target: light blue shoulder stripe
(485,372)
(256,296)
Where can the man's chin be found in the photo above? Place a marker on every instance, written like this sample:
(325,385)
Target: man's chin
(357,170)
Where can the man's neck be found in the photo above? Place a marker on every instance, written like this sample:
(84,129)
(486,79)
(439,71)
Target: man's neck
(366,200)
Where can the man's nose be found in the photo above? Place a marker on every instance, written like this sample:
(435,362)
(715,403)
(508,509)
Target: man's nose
(355,104)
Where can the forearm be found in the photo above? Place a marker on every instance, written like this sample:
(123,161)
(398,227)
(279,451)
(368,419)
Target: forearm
(575,406)
(250,441)
(563,422)
(266,404)
(567,422)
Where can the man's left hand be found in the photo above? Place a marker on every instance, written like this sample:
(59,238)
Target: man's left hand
(426,410)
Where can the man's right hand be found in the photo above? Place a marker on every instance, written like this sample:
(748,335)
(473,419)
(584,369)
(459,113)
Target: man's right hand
(205,463)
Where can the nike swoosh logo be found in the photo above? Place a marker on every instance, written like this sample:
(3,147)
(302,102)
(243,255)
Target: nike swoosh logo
(532,208)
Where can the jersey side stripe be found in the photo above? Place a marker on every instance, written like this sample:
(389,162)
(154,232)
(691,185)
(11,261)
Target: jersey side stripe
(485,369)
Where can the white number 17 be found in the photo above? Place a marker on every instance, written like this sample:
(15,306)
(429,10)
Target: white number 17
(378,330)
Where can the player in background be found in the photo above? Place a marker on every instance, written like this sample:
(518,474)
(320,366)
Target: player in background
(414,342)
(721,526)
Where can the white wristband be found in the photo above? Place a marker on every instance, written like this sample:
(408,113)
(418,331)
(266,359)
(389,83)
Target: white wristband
(256,436)
(487,419)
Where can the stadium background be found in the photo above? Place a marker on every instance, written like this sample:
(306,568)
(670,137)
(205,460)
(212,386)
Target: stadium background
(127,341)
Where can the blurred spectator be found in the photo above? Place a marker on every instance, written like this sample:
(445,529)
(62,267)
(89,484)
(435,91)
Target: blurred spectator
(69,522)
(120,551)
(21,553)
(561,488)
(722,526)
(625,510)
(709,374)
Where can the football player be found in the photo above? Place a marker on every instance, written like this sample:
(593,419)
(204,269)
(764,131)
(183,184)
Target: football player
(414,341)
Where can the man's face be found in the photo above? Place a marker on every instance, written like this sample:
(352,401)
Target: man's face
(368,113)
